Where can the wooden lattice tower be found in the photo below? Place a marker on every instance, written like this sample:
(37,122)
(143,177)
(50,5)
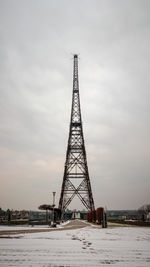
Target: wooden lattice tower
(76,181)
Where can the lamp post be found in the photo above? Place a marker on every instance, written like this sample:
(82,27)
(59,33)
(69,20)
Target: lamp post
(54,193)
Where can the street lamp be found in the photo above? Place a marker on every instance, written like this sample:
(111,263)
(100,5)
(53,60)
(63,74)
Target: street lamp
(54,193)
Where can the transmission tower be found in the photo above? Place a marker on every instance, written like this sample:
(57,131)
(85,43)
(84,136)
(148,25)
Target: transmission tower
(76,179)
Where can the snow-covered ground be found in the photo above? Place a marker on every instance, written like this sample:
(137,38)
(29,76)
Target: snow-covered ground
(27,227)
(86,247)
(21,227)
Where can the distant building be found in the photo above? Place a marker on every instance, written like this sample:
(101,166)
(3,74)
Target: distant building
(142,214)
(75,214)
(122,215)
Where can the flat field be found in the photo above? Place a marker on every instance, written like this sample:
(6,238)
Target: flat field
(75,245)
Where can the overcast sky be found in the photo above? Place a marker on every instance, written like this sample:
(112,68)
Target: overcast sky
(37,40)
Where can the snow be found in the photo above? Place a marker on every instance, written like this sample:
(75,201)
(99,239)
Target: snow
(21,227)
(27,227)
(89,246)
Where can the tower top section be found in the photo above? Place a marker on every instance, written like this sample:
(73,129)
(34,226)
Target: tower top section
(75,56)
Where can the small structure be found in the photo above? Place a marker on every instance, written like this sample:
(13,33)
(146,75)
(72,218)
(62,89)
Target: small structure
(76,215)
(51,208)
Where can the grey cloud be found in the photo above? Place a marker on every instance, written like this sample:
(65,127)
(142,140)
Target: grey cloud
(37,39)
